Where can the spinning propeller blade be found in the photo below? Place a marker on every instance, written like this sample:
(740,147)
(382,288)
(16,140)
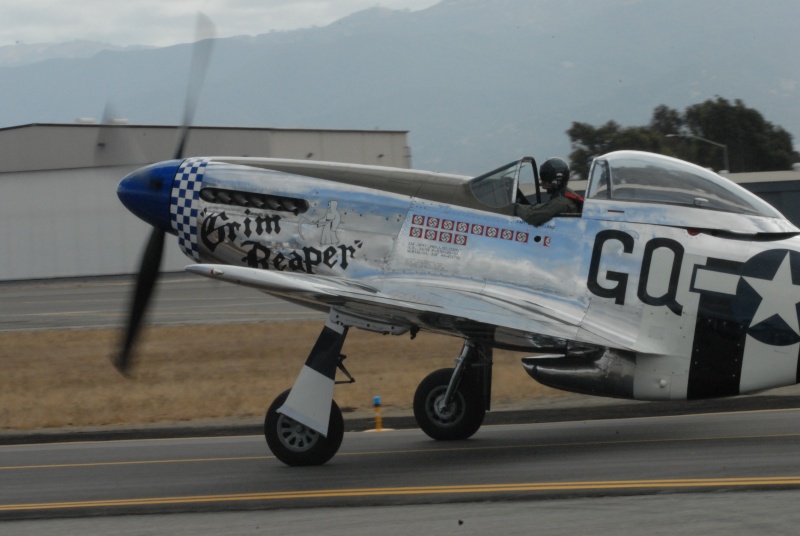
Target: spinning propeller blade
(145,282)
(201,54)
(151,259)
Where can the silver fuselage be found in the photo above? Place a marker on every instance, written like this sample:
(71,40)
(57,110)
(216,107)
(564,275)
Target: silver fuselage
(636,299)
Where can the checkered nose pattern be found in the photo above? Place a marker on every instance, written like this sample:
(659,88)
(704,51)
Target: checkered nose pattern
(183,207)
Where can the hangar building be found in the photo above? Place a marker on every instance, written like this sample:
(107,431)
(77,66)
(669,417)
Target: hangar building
(59,212)
(781,189)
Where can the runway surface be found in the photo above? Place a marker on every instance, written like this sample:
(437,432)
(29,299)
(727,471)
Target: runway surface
(520,464)
(729,514)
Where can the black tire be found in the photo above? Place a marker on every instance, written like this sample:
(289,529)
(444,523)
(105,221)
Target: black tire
(296,444)
(460,420)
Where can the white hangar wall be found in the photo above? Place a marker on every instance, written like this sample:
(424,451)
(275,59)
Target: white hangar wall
(65,223)
(59,211)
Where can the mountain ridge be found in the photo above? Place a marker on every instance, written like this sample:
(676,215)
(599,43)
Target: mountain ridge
(476,82)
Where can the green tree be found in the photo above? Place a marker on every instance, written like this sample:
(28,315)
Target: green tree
(754,144)
(666,120)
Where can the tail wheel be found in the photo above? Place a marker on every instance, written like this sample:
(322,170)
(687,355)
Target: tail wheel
(459,419)
(296,444)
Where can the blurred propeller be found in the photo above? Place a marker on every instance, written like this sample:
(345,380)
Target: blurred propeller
(116,145)
(201,54)
(148,274)
(151,259)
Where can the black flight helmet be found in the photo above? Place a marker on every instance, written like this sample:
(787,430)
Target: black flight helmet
(554,174)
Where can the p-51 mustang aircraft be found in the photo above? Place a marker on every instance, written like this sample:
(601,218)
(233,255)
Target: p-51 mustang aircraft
(672,283)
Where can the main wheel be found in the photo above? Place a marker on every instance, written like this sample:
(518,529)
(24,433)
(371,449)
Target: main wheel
(296,444)
(457,420)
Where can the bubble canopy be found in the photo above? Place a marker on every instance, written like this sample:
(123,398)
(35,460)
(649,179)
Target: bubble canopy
(650,178)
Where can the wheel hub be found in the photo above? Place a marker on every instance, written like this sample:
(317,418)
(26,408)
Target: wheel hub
(443,410)
(439,411)
(296,436)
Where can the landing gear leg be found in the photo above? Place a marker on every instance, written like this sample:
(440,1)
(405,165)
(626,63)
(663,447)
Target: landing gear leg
(450,404)
(304,426)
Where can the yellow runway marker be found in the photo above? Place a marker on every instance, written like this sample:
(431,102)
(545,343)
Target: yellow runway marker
(421,490)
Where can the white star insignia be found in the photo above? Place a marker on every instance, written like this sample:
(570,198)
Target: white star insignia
(779,296)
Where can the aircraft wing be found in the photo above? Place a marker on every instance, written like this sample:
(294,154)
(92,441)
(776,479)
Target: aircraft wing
(441,304)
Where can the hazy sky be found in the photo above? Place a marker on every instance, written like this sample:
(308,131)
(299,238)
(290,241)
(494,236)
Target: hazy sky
(166,22)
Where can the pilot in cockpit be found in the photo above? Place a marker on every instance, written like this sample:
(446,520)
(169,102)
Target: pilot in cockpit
(553,177)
